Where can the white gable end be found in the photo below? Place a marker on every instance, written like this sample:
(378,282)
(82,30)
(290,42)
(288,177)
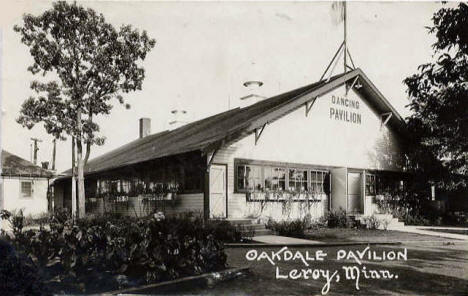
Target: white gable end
(341,130)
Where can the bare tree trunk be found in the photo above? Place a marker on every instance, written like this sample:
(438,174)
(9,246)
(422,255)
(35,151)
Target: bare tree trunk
(88,152)
(53,154)
(81,189)
(88,143)
(73,181)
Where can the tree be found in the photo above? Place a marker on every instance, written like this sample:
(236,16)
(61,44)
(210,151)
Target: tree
(89,63)
(439,99)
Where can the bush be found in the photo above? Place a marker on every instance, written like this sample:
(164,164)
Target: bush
(37,220)
(224,231)
(335,218)
(295,228)
(372,222)
(18,274)
(416,219)
(122,252)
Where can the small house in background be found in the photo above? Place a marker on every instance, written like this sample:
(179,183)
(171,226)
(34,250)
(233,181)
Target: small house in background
(337,143)
(25,185)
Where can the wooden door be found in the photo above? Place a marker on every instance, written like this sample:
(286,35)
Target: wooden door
(218,196)
(354,193)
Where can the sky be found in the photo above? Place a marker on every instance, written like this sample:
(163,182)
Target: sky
(206,50)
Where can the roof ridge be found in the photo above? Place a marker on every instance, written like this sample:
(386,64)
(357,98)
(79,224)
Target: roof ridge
(229,125)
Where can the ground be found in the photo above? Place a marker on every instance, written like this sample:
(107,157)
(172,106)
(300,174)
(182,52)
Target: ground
(437,268)
(434,266)
(332,235)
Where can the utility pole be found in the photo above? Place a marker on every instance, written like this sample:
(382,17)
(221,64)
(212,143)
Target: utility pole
(36,148)
(53,153)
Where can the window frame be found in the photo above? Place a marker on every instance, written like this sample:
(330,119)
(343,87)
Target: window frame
(285,167)
(31,190)
(318,181)
(373,178)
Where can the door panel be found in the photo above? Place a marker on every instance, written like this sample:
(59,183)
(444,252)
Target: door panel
(338,188)
(218,191)
(354,193)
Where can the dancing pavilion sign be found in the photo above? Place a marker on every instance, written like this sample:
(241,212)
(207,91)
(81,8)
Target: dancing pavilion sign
(345,109)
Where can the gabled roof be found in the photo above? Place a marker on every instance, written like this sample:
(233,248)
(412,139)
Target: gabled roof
(225,128)
(15,166)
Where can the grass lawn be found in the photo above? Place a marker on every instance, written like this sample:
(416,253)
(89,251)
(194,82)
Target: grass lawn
(333,235)
(429,270)
(454,231)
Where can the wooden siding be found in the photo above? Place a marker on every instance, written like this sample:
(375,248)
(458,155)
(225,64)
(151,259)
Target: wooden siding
(135,207)
(239,207)
(320,139)
(187,203)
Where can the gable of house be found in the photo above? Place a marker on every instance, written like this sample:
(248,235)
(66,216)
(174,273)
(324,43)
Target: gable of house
(341,130)
(13,165)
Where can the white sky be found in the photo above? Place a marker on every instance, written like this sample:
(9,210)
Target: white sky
(204,52)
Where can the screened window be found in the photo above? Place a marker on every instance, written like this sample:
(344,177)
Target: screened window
(192,178)
(114,186)
(125,186)
(317,178)
(298,180)
(26,189)
(276,178)
(249,177)
(370,184)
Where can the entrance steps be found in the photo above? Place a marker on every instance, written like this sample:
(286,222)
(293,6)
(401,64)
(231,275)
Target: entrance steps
(249,227)
(387,221)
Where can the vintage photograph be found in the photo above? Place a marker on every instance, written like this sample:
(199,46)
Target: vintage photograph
(233,148)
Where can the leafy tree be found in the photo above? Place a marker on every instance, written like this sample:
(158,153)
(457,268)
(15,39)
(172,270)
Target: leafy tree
(88,63)
(439,100)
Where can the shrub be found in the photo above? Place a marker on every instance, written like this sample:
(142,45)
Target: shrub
(335,218)
(18,274)
(37,220)
(121,252)
(372,222)
(295,228)
(416,219)
(224,231)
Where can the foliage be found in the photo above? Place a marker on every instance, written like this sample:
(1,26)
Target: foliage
(88,63)
(39,219)
(122,252)
(439,100)
(372,222)
(224,231)
(18,274)
(415,209)
(294,228)
(335,218)
(92,60)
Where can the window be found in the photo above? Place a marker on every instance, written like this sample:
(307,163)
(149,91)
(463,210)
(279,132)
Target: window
(271,177)
(192,178)
(317,178)
(370,184)
(275,178)
(124,186)
(114,186)
(249,177)
(298,180)
(26,189)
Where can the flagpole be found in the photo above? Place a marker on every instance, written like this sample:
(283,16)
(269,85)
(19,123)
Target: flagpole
(344,41)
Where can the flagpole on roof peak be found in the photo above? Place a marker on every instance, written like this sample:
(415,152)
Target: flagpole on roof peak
(339,14)
(344,36)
